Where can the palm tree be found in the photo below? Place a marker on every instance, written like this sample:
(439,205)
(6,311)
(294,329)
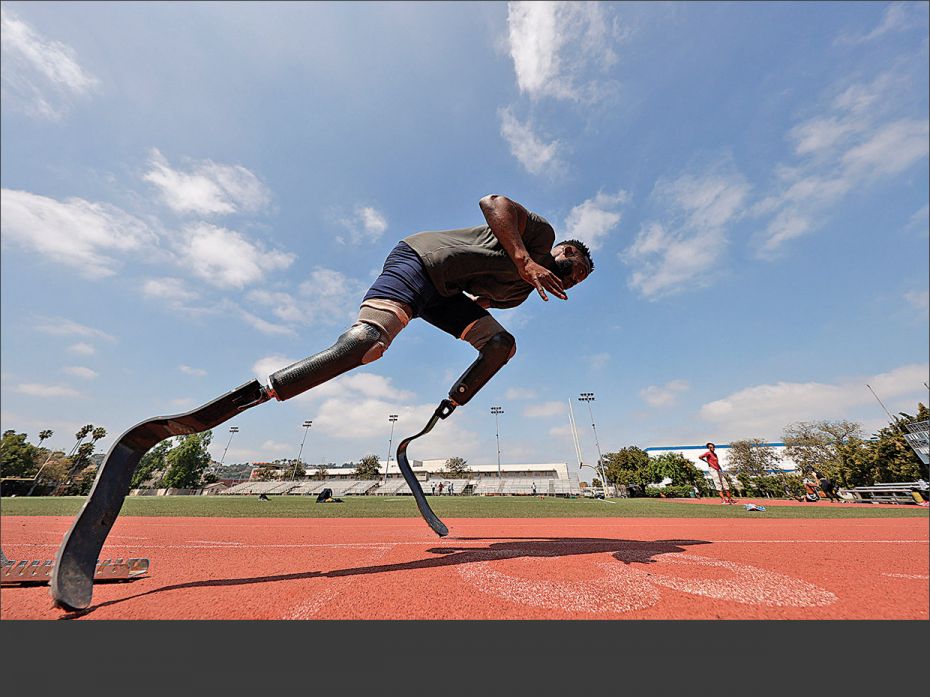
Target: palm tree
(98,433)
(44,436)
(81,435)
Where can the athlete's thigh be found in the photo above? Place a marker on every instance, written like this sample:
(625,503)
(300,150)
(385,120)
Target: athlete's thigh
(453,314)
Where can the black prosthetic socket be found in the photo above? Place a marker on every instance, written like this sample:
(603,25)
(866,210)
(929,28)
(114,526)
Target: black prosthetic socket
(491,358)
(345,354)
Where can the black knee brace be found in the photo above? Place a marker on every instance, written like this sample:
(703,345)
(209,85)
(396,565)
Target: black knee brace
(348,352)
(491,358)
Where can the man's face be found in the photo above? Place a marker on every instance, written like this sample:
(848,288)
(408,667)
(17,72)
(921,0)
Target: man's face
(571,265)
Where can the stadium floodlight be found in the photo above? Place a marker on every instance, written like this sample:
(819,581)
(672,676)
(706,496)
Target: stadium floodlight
(232,430)
(497,411)
(306,426)
(393,419)
(588,397)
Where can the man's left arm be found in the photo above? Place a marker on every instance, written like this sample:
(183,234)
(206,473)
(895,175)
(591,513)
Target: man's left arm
(507,220)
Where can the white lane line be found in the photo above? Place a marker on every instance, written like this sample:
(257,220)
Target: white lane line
(918,577)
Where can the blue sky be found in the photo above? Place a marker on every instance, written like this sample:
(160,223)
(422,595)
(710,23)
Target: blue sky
(198,194)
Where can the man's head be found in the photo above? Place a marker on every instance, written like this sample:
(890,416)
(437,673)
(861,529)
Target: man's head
(573,262)
(710,446)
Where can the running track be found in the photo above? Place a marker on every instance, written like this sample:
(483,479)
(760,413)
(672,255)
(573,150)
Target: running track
(539,568)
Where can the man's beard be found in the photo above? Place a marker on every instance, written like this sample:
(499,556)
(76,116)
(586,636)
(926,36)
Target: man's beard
(563,269)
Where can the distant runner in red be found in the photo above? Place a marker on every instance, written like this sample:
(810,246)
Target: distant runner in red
(710,457)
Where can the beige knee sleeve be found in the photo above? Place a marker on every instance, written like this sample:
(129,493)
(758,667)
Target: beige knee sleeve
(386,316)
(479,332)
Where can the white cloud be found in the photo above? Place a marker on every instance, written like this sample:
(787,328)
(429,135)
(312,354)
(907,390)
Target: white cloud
(516,393)
(332,297)
(897,17)
(80,372)
(172,290)
(678,253)
(59,326)
(545,410)
(920,299)
(664,395)
(225,258)
(40,76)
(208,188)
(534,154)
(262,325)
(558,47)
(37,390)
(365,225)
(764,410)
(920,220)
(82,349)
(188,370)
(329,298)
(598,361)
(74,232)
(856,141)
(276,447)
(592,221)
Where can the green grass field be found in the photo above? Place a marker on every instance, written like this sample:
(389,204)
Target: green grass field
(446,506)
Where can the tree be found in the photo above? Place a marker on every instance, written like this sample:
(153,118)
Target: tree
(293,469)
(188,460)
(751,460)
(44,436)
(80,436)
(153,465)
(456,468)
(816,445)
(628,465)
(17,455)
(369,467)
(321,473)
(676,467)
(265,472)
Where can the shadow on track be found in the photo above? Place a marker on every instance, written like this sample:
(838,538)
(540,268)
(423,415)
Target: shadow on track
(625,551)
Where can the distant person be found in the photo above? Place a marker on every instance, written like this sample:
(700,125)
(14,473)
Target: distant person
(440,488)
(810,488)
(534,488)
(710,457)
(432,488)
(451,488)
(827,487)
(263,497)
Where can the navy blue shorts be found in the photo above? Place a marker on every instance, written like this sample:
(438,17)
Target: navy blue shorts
(404,279)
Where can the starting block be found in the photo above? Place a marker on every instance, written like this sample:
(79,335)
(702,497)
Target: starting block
(16,573)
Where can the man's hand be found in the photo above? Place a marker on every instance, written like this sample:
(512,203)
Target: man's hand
(542,279)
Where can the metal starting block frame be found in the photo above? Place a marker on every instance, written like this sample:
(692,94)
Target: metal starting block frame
(16,573)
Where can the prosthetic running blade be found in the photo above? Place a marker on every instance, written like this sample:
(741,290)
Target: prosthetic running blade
(445,408)
(72,576)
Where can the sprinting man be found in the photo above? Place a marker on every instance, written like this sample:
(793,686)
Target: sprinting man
(450,278)
(710,457)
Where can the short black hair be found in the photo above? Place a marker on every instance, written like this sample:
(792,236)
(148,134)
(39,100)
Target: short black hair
(583,247)
(710,444)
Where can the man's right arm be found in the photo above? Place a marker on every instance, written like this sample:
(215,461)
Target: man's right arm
(507,220)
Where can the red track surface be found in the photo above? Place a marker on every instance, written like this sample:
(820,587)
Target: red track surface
(540,568)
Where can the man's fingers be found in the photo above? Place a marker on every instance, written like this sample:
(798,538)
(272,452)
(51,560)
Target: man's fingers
(542,293)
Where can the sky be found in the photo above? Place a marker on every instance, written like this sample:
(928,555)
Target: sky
(197,194)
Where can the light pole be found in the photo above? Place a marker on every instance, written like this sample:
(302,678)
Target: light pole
(588,397)
(497,411)
(306,425)
(232,431)
(393,419)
